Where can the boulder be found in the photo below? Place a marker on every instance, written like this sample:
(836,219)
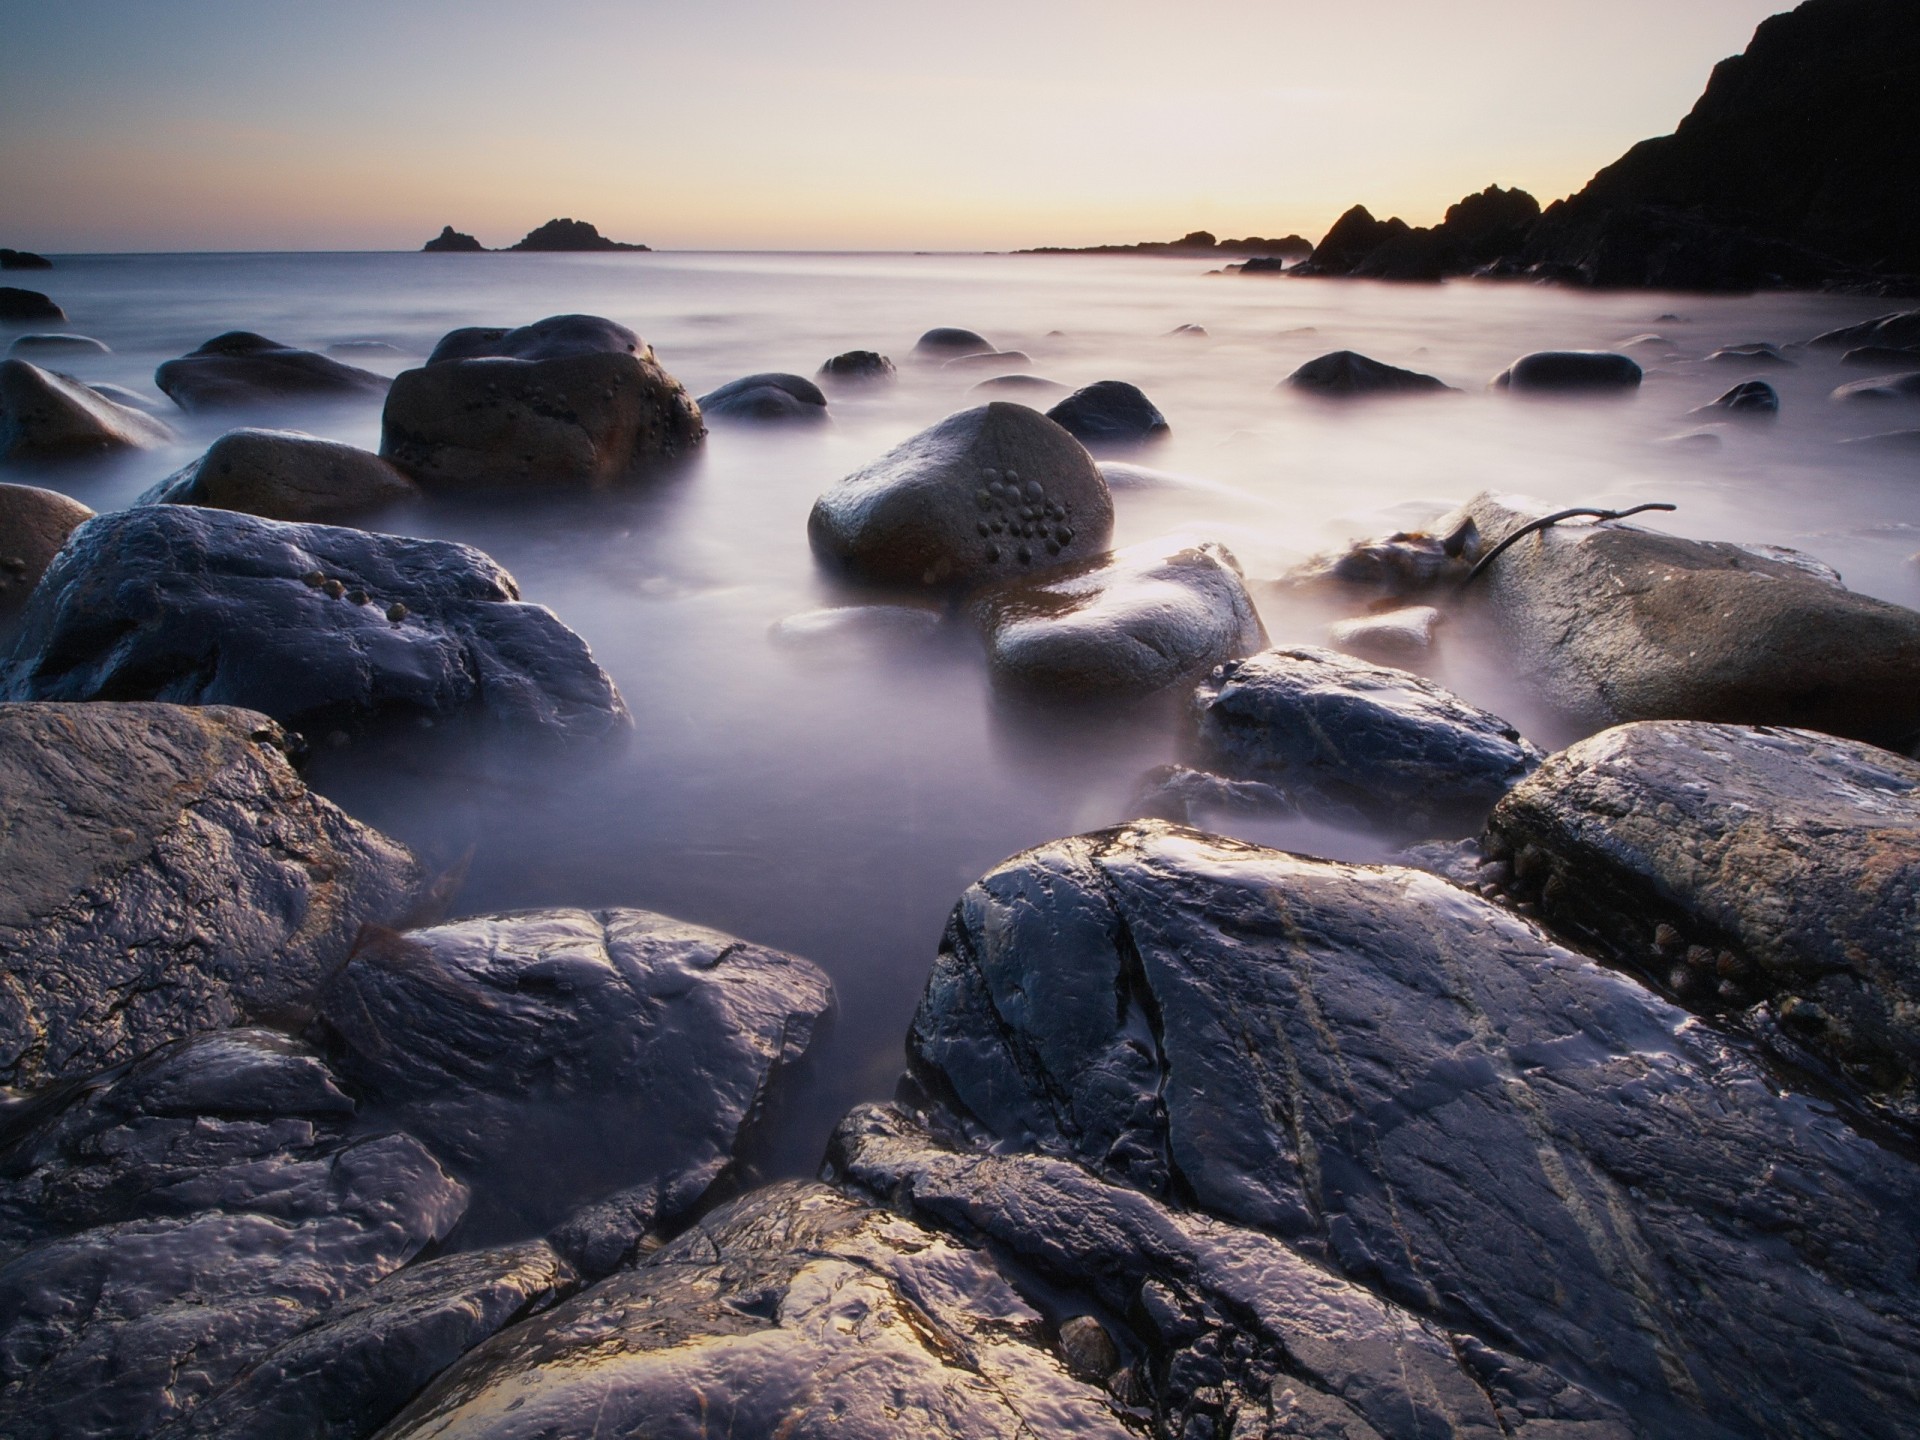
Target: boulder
(1403,634)
(1881,388)
(795,1311)
(50,345)
(616,1060)
(1883,357)
(1131,624)
(1407,562)
(242,370)
(18,307)
(452,242)
(573,400)
(1740,867)
(856,367)
(1349,741)
(167,874)
(1759,353)
(1900,330)
(1749,397)
(1344,373)
(23,260)
(320,627)
(1418,1089)
(770,396)
(1035,387)
(977,497)
(44,416)
(285,475)
(34,524)
(1568,372)
(947,340)
(1610,622)
(1110,415)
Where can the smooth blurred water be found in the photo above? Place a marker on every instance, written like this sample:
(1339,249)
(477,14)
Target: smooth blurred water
(836,803)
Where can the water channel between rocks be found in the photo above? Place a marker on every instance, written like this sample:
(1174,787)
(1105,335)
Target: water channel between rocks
(835,802)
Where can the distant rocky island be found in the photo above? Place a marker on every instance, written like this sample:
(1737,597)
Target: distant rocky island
(1196,242)
(556,235)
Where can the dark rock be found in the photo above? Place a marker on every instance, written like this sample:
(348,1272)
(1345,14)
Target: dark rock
(1753,866)
(947,340)
(856,367)
(615,1059)
(76,345)
(23,260)
(771,396)
(570,400)
(1005,360)
(1900,330)
(210,607)
(1131,624)
(1614,623)
(1881,388)
(1883,357)
(1037,387)
(1415,1087)
(167,874)
(1388,635)
(1262,265)
(1110,415)
(34,524)
(926,512)
(1570,372)
(1749,397)
(1492,223)
(240,369)
(285,475)
(1759,352)
(1185,332)
(569,236)
(1347,740)
(1354,236)
(794,1311)
(1407,562)
(26,306)
(452,242)
(44,416)
(1672,248)
(1420,256)
(1344,373)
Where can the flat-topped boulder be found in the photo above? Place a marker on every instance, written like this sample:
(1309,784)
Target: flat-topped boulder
(1346,373)
(322,627)
(1570,372)
(242,370)
(34,524)
(44,416)
(18,307)
(285,475)
(977,497)
(1110,415)
(569,401)
(167,874)
(1140,621)
(768,396)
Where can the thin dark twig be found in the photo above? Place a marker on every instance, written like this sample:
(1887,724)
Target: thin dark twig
(1554,519)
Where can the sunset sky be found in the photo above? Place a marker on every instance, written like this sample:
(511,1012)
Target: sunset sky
(842,124)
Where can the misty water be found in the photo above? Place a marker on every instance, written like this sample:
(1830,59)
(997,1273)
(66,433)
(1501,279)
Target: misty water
(835,801)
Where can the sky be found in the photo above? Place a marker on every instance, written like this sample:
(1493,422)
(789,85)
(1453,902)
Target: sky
(141,125)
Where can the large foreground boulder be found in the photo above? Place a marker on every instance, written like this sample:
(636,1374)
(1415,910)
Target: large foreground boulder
(1742,867)
(1418,1088)
(167,873)
(1147,618)
(320,627)
(995,491)
(285,475)
(1611,623)
(242,370)
(616,1060)
(44,416)
(34,524)
(572,400)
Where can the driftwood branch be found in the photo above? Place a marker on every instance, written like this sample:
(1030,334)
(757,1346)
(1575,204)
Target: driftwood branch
(1554,519)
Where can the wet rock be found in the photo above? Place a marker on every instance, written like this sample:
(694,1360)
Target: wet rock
(1881,388)
(1198,797)
(26,306)
(1403,634)
(856,367)
(948,340)
(1570,372)
(885,627)
(44,416)
(1347,740)
(1413,1086)
(976,497)
(793,1311)
(1900,329)
(989,360)
(1035,387)
(167,874)
(34,524)
(285,475)
(1758,353)
(1883,357)
(1132,624)
(572,400)
(23,260)
(1345,373)
(765,397)
(1407,562)
(1239,1329)
(1109,415)
(614,1059)
(53,345)
(452,242)
(241,369)
(1785,863)
(1749,397)
(1613,623)
(210,607)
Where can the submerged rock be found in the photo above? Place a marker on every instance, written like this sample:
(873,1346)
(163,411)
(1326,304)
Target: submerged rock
(74,345)
(1415,1087)
(1741,867)
(1198,797)
(1570,372)
(989,360)
(318,626)
(844,626)
(1749,397)
(572,400)
(614,1059)
(1759,352)
(34,524)
(1345,373)
(1407,562)
(1110,414)
(856,367)
(794,1311)
(770,396)
(285,475)
(1131,624)
(1883,357)
(167,874)
(241,369)
(976,497)
(947,340)
(19,306)
(44,416)
(1881,388)
(1900,329)
(1038,387)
